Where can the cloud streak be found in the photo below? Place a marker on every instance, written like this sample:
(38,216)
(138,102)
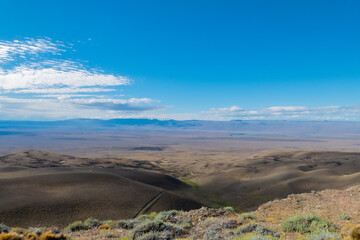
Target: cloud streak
(285,113)
(67,108)
(37,78)
(36,81)
(10,50)
(26,74)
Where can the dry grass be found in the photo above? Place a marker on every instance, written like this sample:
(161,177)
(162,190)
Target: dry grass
(32,236)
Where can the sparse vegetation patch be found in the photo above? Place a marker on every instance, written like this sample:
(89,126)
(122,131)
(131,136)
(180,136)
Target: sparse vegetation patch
(307,224)
(191,183)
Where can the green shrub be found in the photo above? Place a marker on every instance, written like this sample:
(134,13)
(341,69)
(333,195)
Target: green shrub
(306,224)
(126,224)
(184,223)
(212,235)
(37,231)
(75,226)
(194,185)
(324,235)
(107,233)
(149,226)
(79,225)
(207,223)
(250,216)
(156,236)
(166,215)
(111,223)
(92,223)
(4,228)
(18,230)
(255,236)
(145,217)
(344,216)
(222,224)
(256,229)
(230,209)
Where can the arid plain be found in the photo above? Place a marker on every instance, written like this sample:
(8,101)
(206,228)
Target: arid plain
(107,170)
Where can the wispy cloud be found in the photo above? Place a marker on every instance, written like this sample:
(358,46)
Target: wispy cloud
(67,108)
(36,80)
(63,90)
(132,104)
(41,76)
(10,50)
(285,113)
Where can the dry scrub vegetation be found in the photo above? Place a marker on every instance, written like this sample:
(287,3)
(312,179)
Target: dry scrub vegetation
(207,224)
(204,223)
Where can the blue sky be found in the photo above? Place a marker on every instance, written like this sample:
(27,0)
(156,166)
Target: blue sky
(218,60)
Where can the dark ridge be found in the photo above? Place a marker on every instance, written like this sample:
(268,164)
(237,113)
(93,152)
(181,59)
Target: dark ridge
(148,149)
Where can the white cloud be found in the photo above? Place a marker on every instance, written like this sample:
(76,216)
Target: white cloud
(67,108)
(227,110)
(9,50)
(63,90)
(287,109)
(284,113)
(26,67)
(36,81)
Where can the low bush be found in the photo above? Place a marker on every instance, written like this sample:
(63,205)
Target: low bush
(149,226)
(145,217)
(75,226)
(351,231)
(255,231)
(104,226)
(323,235)
(87,224)
(247,216)
(153,227)
(167,215)
(31,236)
(126,224)
(164,235)
(107,233)
(307,224)
(92,223)
(4,228)
(256,236)
(18,230)
(221,224)
(155,222)
(212,235)
(230,209)
(344,216)
(11,236)
(50,236)
(37,231)
(184,223)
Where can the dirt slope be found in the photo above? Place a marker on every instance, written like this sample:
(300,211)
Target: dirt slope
(39,192)
(268,175)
